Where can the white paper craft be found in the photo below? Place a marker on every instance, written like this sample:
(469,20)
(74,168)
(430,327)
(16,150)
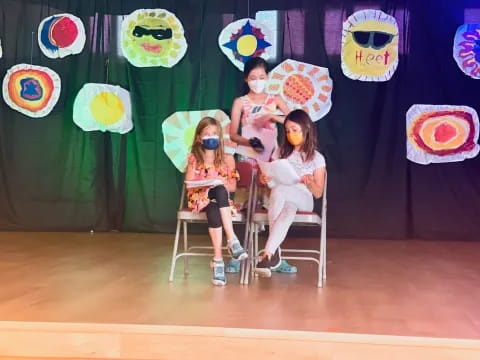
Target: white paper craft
(244,39)
(103,107)
(441,133)
(302,86)
(201,183)
(61,35)
(153,37)
(281,172)
(179,130)
(267,137)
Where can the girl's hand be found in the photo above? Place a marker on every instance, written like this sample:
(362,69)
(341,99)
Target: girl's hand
(307,179)
(265,179)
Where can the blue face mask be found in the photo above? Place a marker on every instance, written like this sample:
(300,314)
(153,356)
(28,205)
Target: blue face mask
(210,142)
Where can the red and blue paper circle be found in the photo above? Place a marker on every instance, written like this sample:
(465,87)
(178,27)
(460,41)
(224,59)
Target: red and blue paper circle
(61,35)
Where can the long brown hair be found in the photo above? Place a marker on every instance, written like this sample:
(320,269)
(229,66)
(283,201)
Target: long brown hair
(197,148)
(309,132)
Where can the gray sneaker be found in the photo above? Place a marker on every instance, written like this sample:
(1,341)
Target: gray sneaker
(237,251)
(218,268)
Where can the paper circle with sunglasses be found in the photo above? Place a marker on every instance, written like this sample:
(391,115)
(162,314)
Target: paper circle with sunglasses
(61,35)
(246,38)
(441,133)
(466,49)
(153,37)
(302,86)
(369,46)
(179,129)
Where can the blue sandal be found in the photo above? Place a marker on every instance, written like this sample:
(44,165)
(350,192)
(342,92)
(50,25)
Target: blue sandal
(285,267)
(232,267)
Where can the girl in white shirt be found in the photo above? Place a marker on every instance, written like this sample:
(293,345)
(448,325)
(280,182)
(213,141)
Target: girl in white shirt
(299,148)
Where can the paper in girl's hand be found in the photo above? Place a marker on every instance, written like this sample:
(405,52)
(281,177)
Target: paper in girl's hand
(263,121)
(267,137)
(201,183)
(281,172)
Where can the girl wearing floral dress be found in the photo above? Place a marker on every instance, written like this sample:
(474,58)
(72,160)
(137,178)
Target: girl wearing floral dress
(208,161)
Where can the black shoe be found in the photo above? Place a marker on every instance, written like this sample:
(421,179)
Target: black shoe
(264,266)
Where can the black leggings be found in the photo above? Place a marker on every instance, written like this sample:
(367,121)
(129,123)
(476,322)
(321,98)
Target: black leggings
(218,199)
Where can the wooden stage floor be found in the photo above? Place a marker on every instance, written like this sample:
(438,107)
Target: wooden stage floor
(408,288)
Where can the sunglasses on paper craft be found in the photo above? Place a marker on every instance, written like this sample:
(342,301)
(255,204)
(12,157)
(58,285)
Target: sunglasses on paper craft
(373,39)
(159,34)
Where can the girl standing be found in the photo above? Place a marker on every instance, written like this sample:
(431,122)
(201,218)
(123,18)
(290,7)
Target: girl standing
(255,112)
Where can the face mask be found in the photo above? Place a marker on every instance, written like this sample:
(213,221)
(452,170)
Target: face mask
(295,138)
(257,86)
(210,142)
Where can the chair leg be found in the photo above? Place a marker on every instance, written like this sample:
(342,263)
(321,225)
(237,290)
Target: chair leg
(323,244)
(244,264)
(324,261)
(321,263)
(185,248)
(255,249)
(175,249)
(248,262)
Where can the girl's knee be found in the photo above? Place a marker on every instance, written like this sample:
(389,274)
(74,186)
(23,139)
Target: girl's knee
(221,196)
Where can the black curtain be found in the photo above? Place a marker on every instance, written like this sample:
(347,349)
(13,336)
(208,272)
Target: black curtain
(54,176)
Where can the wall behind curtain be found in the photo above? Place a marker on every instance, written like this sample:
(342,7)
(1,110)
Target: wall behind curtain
(53,176)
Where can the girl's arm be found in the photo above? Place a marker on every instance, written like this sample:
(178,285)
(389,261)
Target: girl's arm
(235,123)
(316,182)
(231,183)
(283,108)
(261,120)
(189,173)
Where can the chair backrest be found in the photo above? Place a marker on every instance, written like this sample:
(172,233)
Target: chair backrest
(246,171)
(324,197)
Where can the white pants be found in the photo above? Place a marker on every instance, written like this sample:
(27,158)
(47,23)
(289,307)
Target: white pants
(284,203)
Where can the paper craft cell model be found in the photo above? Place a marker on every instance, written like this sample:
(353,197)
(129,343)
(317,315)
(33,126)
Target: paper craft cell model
(441,133)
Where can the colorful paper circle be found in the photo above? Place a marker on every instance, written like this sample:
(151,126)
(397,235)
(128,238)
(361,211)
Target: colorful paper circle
(302,86)
(179,129)
(153,37)
(466,49)
(31,90)
(244,39)
(441,133)
(369,46)
(61,35)
(103,107)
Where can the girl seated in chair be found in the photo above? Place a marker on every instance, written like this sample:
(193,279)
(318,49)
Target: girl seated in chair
(299,148)
(208,161)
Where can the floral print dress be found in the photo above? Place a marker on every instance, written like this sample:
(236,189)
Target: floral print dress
(198,197)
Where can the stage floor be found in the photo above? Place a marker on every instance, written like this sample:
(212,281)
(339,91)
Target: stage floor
(408,288)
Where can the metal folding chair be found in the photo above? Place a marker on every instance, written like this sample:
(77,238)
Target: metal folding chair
(318,255)
(186,216)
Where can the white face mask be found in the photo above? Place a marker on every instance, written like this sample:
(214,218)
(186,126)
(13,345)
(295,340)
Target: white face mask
(257,86)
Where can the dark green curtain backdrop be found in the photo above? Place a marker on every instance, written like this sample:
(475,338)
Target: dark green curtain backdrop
(54,176)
